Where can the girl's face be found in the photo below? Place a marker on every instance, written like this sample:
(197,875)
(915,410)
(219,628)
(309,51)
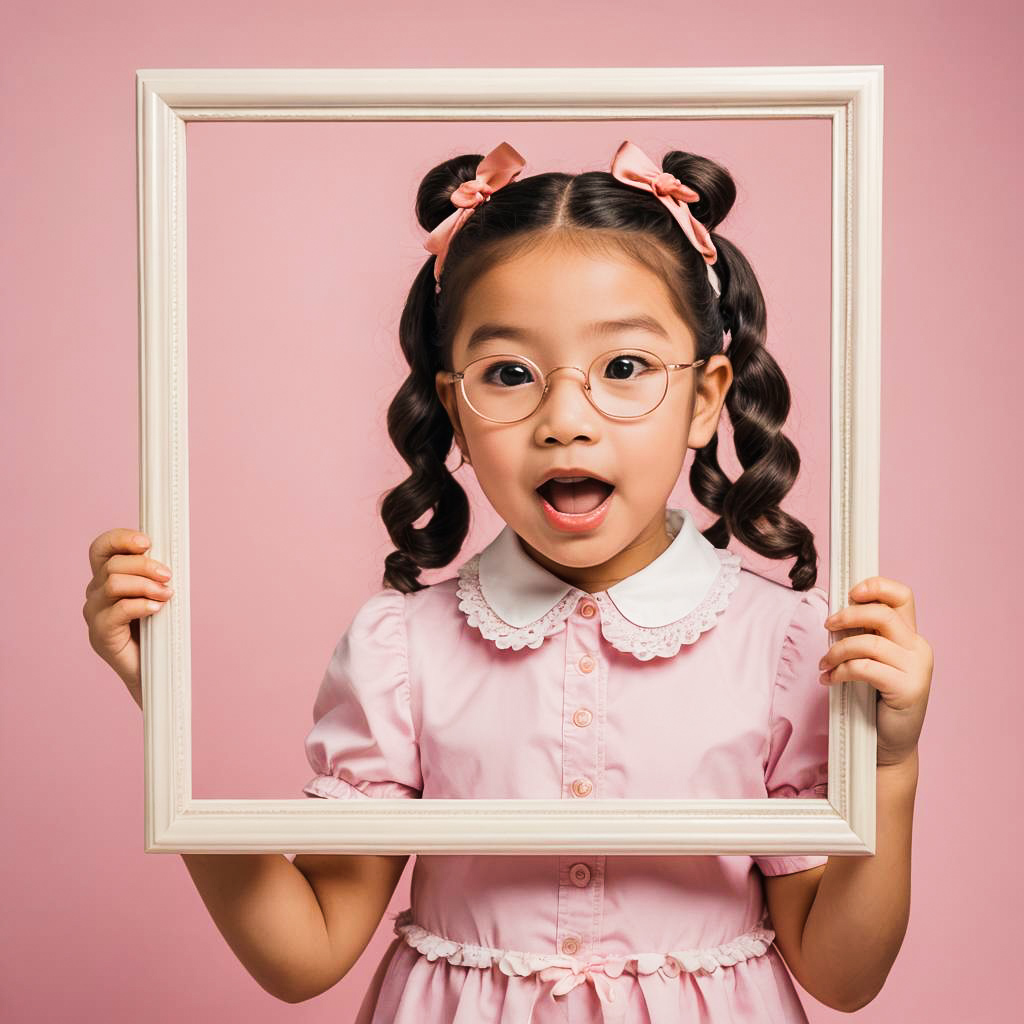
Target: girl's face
(548,305)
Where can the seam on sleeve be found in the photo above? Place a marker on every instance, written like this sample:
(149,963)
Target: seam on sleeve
(414,711)
(778,668)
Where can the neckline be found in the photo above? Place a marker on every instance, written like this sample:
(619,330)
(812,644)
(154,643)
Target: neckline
(515,602)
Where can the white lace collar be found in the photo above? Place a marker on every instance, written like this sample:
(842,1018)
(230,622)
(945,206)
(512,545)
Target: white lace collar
(516,602)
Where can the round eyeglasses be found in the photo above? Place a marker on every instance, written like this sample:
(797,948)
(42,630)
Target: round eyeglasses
(624,383)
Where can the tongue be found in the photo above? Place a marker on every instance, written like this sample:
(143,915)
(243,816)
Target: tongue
(582,497)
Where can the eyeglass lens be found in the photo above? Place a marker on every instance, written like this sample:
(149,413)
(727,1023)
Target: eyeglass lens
(623,382)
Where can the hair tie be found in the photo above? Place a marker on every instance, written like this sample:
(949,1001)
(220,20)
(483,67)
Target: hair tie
(632,166)
(495,171)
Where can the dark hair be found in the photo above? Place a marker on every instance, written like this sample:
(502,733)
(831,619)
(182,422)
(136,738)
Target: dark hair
(594,210)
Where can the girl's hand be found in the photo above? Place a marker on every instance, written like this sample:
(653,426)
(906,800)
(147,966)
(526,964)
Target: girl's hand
(125,586)
(892,656)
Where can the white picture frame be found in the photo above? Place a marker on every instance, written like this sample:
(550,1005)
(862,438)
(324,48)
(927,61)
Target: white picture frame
(851,98)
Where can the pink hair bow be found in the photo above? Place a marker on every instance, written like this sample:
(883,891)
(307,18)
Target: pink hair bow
(495,171)
(632,166)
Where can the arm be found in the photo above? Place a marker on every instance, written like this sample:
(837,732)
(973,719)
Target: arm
(840,926)
(296,927)
(859,916)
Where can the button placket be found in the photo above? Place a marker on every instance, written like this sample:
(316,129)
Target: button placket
(580,889)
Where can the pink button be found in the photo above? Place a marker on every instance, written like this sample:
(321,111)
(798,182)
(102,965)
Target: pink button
(570,946)
(588,609)
(579,875)
(582,717)
(586,663)
(581,787)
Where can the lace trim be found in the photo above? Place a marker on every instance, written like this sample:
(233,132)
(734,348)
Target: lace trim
(644,642)
(648,642)
(480,614)
(516,963)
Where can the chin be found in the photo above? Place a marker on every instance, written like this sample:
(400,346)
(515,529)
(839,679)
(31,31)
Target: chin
(578,550)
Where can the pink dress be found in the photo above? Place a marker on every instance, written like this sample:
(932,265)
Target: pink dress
(692,678)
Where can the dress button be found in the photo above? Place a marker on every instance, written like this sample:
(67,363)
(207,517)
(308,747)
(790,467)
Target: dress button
(579,875)
(570,946)
(586,663)
(582,717)
(582,787)
(588,609)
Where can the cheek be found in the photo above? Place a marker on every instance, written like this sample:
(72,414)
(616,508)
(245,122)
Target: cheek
(496,455)
(658,448)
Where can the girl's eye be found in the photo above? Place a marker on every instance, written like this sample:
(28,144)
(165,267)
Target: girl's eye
(508,375)
(626,367)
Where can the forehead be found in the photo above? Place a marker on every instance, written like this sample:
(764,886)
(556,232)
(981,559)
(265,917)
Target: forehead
(560,299)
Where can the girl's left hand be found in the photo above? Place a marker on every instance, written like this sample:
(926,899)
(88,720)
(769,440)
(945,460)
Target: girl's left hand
(892,656)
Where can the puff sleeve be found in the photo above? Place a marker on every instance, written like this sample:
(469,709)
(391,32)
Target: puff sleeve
(363,742)
(797,764)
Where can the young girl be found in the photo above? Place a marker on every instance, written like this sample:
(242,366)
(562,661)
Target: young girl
(569,336)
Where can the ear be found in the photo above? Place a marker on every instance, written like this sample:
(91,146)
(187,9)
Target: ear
(446,394)
(714,385)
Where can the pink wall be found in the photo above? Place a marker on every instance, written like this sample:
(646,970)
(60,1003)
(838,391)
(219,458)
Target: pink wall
(93,929)
(295,285)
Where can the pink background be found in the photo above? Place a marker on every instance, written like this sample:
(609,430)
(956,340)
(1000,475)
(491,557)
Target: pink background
(295,288)
(92,928)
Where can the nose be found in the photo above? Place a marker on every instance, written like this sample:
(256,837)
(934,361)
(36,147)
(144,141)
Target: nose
(566,411)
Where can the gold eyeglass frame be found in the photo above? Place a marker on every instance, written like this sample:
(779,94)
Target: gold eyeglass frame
(452,376)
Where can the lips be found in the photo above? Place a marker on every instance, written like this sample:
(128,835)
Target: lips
(576,508)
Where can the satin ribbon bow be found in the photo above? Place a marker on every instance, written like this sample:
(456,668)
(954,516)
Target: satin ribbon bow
(495,171)
(613,1006)
(632,166)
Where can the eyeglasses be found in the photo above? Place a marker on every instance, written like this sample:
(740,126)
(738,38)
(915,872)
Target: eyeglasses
(625,383)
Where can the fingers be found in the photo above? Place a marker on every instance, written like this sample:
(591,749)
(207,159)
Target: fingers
(126,584)
(128,595)
(885,619)
(113,542)
(866,646)
(119,600)
(116,551)
(138,565)
(890,593)
(124,611)
(119,585)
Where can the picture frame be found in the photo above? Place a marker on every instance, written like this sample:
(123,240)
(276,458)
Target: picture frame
(850,97)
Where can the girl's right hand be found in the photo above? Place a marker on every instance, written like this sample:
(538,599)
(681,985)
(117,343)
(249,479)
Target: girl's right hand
(125,586)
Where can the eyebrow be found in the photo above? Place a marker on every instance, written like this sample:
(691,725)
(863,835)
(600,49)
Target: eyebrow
(639,322)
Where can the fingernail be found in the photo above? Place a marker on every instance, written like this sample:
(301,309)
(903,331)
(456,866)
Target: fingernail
(140,540)
(163,574)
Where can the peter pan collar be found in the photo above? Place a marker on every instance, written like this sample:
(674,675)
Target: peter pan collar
(516,603)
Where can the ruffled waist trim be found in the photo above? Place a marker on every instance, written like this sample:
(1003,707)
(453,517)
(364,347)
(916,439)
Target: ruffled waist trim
(519,963)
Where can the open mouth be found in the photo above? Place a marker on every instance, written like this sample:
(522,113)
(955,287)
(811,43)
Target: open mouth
(575,498)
